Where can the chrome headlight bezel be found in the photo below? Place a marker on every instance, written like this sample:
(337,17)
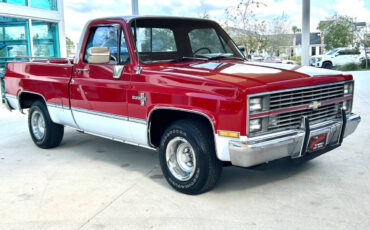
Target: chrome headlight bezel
(255,104)
(255,125)
(348,89)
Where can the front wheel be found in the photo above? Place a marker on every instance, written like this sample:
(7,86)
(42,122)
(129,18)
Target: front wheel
(327,65)
(187,157)
(44,132)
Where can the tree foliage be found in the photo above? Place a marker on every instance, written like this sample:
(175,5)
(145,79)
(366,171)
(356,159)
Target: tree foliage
(279,38)
(338,31)
(70,46)
(363,42)
(245,28)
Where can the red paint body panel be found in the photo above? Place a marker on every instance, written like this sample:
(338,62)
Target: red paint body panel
(217,89)
(47,79)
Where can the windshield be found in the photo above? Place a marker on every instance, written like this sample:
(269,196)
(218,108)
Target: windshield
(169,40)
(332,52)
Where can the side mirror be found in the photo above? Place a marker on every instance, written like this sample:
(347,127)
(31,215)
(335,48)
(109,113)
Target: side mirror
(98,55)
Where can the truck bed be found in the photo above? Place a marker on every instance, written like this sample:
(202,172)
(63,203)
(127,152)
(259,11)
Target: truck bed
(49,78)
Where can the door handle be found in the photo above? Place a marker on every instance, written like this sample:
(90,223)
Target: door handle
(79,70)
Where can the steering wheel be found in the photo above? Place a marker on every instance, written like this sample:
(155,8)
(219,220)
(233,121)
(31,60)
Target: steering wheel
(112,57)
(203,48)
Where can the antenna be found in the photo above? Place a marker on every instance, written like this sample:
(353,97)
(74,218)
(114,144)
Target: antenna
(138,71)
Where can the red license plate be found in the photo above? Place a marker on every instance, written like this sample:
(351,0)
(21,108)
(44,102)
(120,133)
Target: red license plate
(317,142)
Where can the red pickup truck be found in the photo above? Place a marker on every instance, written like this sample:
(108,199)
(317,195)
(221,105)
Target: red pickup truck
(182,86)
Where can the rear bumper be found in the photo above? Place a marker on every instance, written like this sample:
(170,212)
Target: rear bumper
(271,147)
(6,104)
(10,102)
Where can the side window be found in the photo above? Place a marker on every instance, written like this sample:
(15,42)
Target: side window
(103,37)
(341,53)
(124,55)
(155,40)
(355,52)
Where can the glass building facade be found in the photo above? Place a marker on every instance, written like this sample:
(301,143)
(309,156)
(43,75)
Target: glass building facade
(25,36)
(41,4)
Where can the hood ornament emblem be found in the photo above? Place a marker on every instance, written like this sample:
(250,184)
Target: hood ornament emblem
(314,105)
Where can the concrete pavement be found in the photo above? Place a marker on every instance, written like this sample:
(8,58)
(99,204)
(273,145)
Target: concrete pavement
(93,183)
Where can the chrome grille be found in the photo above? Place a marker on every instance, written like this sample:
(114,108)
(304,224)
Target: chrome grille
(295,98)
(293,119)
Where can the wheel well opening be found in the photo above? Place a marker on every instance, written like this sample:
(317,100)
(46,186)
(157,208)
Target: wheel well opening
(161,119)
(27,99)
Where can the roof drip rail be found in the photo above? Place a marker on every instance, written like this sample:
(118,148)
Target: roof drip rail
(31,59)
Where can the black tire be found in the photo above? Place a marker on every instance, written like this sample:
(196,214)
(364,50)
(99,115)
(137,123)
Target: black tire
(327,65)
(53,133)
(208,168)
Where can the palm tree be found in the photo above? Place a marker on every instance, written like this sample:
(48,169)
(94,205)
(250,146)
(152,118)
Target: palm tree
(295,30)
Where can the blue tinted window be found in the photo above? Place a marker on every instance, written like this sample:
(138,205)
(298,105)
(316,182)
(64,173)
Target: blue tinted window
(14,39)
(45,39)
(332,52)
(17,2)
(44,4)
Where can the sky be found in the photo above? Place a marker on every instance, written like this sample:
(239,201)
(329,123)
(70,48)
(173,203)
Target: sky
(78,12)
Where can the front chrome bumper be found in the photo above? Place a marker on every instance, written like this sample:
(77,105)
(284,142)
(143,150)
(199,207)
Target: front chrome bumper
(271,147)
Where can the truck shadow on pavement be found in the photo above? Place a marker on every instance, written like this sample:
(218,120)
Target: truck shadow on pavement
(132,158)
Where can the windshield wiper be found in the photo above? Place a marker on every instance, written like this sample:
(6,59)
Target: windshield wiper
(225,57)
(180,59)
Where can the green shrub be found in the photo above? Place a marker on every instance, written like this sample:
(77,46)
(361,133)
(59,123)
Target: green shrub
(348,67)
(297,59)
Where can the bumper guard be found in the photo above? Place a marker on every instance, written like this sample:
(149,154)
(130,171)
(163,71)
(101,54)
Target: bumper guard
(291,143)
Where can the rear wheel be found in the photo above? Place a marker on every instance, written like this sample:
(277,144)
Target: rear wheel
(327,65)
(187,157)
(44,132)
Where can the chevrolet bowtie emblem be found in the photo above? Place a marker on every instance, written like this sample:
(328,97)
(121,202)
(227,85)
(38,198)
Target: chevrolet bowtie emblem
(314,105)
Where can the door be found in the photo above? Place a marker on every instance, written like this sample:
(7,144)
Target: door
(340,58)
(99,100)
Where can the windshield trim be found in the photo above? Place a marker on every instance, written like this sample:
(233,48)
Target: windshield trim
(221,32)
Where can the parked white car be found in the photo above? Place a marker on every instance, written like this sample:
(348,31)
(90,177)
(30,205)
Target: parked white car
(336,57)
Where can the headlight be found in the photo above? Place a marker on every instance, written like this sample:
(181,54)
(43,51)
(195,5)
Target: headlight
(255,125)
(347,106)
(348,89)
(255,104)
(318,59)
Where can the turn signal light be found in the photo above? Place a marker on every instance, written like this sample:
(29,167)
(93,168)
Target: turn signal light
(228,134)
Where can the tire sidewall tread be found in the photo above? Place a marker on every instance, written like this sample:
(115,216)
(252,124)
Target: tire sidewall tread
(208,167)
(53,132)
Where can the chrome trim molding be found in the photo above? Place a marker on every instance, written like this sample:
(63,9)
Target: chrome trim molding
(25,91)
(110,115)
(221,151)
(300,88)
(102,114)
(56,106)
(116,139)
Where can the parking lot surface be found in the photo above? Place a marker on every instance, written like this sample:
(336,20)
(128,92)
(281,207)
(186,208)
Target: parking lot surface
(94,183)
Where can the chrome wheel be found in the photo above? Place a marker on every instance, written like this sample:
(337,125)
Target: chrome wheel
(180,158)
(38,125)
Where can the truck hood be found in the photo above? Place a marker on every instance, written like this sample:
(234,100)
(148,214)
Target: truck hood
(254,77)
